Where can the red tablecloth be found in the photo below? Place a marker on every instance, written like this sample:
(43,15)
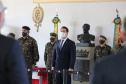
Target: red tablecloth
(43,74)
(35,81)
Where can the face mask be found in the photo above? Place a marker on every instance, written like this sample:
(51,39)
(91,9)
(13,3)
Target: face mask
(52,39)
(62,35)
(24,34)
(101,41)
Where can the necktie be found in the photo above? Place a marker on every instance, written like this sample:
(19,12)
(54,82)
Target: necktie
(61,45)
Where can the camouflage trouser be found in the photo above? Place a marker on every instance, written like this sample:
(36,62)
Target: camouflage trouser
(30,77)
(51,78)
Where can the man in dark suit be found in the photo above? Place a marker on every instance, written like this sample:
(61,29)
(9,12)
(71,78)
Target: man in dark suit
(64,56)
(13,69)
(112,69)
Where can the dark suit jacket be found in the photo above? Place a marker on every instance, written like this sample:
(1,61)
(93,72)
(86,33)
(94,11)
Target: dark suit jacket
(12,65)
(65,58)
(110,70)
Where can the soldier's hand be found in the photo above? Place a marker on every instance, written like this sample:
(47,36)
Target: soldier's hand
(52,68)
(33,66)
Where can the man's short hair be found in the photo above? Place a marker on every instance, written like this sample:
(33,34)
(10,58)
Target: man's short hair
(67,30)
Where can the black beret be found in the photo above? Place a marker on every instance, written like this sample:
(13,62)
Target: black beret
(53,34)
(103,37)
(26,27)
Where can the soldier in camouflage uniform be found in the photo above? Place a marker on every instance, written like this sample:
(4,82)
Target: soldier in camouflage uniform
(30,50)
(48,58)
(118,48)
(102,50)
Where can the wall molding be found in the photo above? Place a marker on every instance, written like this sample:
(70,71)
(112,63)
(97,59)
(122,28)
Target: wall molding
(72,1)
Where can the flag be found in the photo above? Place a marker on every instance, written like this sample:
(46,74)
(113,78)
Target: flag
(117,30)
(56,20)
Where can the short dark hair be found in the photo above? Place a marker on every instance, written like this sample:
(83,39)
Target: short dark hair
(63,27)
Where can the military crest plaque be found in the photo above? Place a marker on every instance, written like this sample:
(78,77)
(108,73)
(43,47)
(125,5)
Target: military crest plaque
(38,16)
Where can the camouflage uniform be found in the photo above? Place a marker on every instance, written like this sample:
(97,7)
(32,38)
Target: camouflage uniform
(30,51)
(101,51)
(117,48)
(48,58)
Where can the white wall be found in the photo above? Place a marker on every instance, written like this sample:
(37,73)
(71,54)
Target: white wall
(73,15)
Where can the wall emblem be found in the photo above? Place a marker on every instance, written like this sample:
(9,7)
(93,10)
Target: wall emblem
(38,15)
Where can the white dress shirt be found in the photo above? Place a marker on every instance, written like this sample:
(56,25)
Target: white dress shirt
(63,41)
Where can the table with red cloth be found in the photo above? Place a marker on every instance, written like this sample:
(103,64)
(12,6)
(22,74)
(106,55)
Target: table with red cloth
(43,76)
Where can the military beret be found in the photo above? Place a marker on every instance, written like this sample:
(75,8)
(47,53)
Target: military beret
(26,27)
(11,34)
(103,37)
(53,34)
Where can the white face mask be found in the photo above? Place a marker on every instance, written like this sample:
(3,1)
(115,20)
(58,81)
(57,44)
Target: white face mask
(62,35)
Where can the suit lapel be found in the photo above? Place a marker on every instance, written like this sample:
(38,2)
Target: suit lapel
(64,45)
(59,45)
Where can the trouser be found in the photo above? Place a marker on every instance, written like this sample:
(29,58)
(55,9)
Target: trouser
(59,78)
(30,77)
(51,78)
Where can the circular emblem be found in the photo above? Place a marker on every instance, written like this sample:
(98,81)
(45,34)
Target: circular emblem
(38,14)
(117,21)
(55,20)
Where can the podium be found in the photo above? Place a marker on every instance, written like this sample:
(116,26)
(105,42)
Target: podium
(42,77)
(84,62)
